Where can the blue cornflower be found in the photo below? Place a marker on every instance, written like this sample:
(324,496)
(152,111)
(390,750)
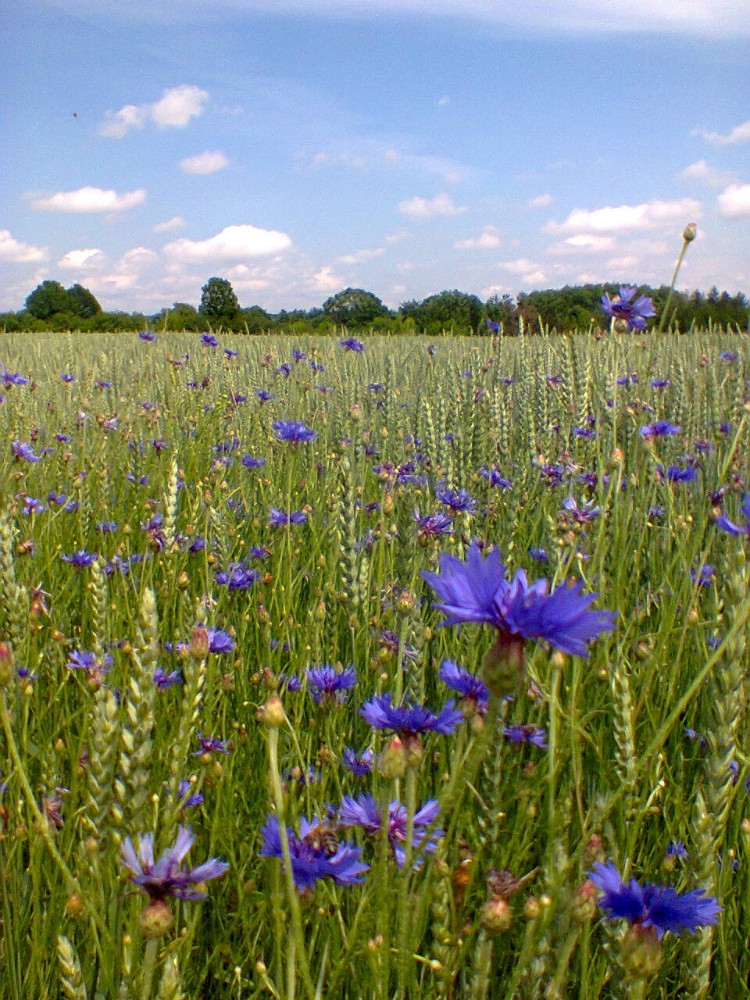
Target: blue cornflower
(67,377)
(250,462)
(188,798)
(80,559)
(409,720)
(729,355)
(32,505)
(299,355)
(735,529)
(360,764)
(279,518)
(622,307)
(495,478)
(676,849)
(432,525)
(674,474)
(237,577)
(209,745)
(350,344)
(147,335)
(293,431)
(284,369)
(95,668)
(651,905)
(457,500)
(660,383)
(166,877)
(659,428)
(164,680)
(264,396)
(24,451)
(539,554)
(315,854)
(330,686)
(526,734)
(476,591)
(579,513)
(365,813)
(106,527)
(208,340)
(473,692)
(703,577)
(219,642)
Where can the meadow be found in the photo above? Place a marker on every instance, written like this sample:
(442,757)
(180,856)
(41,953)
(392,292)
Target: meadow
(214,619)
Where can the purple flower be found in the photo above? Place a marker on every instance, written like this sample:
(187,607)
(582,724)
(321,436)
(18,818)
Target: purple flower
(219,642)
(147,335)
(208,340)
(476,591)
(729,355)
(659,428)
(209,745)
(651,905)
(188,799)
(330,686)
(735,529)
(433,525)
(252,463)
(457,500)
(24,451)
(166,877)
(409,720)
(674,474)
(494,478)
(579,514)
(659,383)
(622,307)
(360,765)
(80,559)
(350,344)
(279,518)
(164,680)
(66,377)
(264,396)
(237,577)
(472,690)
(33,506)
(365,813)
(526,734)
(293,431)
(315,854)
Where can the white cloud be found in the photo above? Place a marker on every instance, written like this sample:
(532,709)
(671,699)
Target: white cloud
(734,201)
(176,222)
(443,101)
(359,256)
(527,270)
(582,243)
(701,170)
(541,201)
(77,259)
(235,243)
(174,109)
(740,133)
(324,280)
(15,252)
(450,172)
(371,155)
(89,199)
(609,219)
(204,163)
(344,159)
(487,240)
(427,208)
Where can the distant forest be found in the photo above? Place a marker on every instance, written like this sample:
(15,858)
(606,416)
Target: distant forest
(50,306)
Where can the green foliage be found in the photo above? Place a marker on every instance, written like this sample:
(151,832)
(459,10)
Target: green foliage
(81,302)
(47,299)
(452,311)
(354,307)
(218,301)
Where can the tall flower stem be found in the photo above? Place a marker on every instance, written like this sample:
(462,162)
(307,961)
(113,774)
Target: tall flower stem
(149,967)
(403,895)
(687,237)
(297,928)
(554,715)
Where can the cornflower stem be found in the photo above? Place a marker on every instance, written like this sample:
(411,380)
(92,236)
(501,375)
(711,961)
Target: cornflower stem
(678,265)
(554,714)
(406,872)
(149,968)
(298,932)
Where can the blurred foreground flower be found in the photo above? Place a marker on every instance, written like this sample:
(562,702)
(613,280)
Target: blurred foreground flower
(165,877)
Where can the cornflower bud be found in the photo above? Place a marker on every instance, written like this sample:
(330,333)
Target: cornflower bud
(6,665)
(156,919)
(690,232)
(496,916)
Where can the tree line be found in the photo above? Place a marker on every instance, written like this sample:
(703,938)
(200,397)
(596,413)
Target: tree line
(51,306)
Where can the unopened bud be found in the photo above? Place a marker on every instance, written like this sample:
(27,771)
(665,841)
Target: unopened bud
(156,919)
(199,643)
(532,909)
(394,760)
(496,916)
(272,713)
(6,665)
(690,232)
(503,666)
(74,907)
(641,952)
(584,905)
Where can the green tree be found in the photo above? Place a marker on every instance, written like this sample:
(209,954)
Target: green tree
(456,311)
(47,299)
(218,300)
(82,302)
(354,307)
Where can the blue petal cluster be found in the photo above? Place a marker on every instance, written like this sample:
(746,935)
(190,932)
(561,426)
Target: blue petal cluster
(409,720)
(310,860)
(166,877)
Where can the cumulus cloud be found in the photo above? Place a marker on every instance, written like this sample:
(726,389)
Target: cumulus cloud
(701,170)
(15,252)
(488,239)
(740,133)
(428,208)
(324,280)
(234,243)
(89,199)
(734,201)
(541,201)
(359,256)
(174,109)
(582,243)
(529,272)
(609,219)
(176,222)
(204,163)
(76,259)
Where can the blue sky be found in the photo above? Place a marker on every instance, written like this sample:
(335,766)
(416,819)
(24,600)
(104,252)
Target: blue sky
(298,147)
